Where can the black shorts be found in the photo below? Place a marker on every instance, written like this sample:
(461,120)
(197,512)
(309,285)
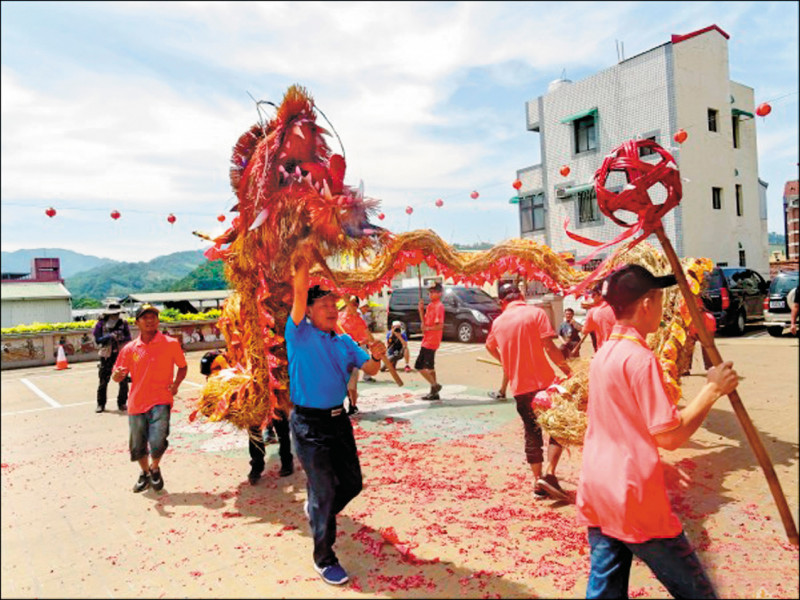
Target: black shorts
(425,359)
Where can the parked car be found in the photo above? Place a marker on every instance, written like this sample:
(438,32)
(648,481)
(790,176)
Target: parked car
(777,305)
(468,312)
(735,296)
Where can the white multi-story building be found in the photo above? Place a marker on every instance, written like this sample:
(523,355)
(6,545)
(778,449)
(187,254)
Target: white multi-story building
(682,84)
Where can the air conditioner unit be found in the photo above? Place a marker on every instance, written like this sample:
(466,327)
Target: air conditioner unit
(562,193)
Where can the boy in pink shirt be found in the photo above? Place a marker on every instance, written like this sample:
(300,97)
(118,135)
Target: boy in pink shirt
(432,322)
(600,320)
(622,497)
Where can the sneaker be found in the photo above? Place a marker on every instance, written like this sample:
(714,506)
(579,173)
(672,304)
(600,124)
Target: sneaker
(122,407)
(436,388)
(352,410)
(497,395)
(253,476)
(286,470)
(156,479)
(407,369)
(99,409)
(333,574)
(142,483)
(270,438)
(431,397)
(549,484)
(538,491)
(368,379)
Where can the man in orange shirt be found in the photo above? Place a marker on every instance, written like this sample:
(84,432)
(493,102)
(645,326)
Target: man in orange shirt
(432,323)
(150,359)
(519,338)
(351,322)
(600,320)
(621,495)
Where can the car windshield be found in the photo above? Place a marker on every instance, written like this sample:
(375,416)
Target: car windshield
(715,279)
(784,284)
(474,296)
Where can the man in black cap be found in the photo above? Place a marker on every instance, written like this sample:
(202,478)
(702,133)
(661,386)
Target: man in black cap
(622,497)
(111,333)
(432,325)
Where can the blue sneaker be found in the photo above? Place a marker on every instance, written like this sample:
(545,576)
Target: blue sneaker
(333,574)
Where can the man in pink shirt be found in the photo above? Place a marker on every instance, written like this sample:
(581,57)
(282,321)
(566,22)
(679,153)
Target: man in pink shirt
(622,497)
(432,323)
(150,359)
(600,320)
(519,338)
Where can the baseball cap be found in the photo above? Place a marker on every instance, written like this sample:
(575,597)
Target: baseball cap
(396,324)
(629,283)
(315,292)
(509,291)
(146,308)
(435,287)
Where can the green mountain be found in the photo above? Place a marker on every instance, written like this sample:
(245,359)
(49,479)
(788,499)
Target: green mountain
(123,278)
(208,276)
(19,261)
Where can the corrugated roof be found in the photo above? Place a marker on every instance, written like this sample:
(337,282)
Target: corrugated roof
(178,296)
(34,291)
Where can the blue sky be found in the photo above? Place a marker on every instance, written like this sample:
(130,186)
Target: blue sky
(135,106)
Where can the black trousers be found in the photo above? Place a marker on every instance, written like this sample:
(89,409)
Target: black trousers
(105,366)
(257,449)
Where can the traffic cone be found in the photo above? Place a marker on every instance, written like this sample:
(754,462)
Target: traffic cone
(61,361)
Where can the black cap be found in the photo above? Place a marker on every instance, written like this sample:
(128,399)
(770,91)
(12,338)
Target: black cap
(146,308)
(509,292)
(435,287)
(629,283)
(315,292)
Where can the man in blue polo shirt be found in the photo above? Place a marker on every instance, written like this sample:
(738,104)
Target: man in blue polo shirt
(320,362)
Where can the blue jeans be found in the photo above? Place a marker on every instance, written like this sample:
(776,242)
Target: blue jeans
(326,448)
(672,561)
(151,427)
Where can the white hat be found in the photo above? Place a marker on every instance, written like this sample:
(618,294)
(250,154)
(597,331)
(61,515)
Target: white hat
(397,324)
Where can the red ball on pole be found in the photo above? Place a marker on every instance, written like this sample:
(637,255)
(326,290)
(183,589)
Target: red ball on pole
(517,184)
(381,216)
(474,195)
(439,203)
(564,170)
(680,136)
(409,210)
(220,218)
(115,214)
(763,109)
(50,212)
(171,218)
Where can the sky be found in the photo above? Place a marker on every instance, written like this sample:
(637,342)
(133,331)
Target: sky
(135,106)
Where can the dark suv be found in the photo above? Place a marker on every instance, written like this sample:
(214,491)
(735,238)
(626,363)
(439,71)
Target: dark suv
(735,296)
(776,305)
(468,312)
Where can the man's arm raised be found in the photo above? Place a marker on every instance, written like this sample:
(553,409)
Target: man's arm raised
(300,284)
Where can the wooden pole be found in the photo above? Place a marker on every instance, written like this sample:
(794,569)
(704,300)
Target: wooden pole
(488,361)
(749,429)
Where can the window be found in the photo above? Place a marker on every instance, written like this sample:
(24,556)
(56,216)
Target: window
(739,201)
(735,124)
(588,211)
(716,198)
(712,119)
(647,151)
(585,134)
(743,263)
(531,213)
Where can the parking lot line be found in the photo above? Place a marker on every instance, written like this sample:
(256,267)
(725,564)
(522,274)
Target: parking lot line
(31,410)
(40,393)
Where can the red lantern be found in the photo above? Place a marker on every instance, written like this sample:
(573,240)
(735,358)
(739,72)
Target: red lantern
(517,184)
(409,210)
(171,218)
(50,212)
(381,216)
(680,136)
(220,218)
(115,214)
(763,109)
(474,195)
(564,171)
(439,203)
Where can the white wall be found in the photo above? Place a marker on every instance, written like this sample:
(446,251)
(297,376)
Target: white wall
(25,312)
